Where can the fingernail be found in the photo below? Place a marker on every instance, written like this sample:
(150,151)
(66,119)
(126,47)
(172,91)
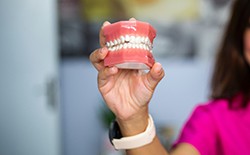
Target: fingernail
(105,23)
(132,19)
(158,68)
(102,50)
(113,69)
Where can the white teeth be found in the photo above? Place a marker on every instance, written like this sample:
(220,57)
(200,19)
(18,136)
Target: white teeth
(124,42)
(129,45)
(138,40)
(127,38)
(148,41)
(132,39)
(119,41)
(143,39)
(120,46)
(122,39)
(125,46)
(133,45)
(111,44)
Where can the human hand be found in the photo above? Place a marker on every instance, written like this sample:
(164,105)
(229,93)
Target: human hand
(126,92)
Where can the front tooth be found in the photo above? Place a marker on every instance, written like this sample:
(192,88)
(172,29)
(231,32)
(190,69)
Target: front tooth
(133,45)
(137,46)
(122,39)
(141,46)
(132,39)
(129,45)
(144,47)
(127,38)
(125,46)
(138,40)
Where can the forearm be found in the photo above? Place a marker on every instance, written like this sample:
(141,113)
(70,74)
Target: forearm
(154,148)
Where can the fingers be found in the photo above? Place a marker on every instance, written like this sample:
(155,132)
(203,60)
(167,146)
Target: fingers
(97,58)
(132,19)
(101,35)
(105,74)
(98,55)
(155,75)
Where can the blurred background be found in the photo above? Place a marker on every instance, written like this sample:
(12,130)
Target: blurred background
(49,100)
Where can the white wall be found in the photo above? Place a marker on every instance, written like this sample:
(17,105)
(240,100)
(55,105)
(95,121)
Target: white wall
(82,131)
(185,85)
(28,58)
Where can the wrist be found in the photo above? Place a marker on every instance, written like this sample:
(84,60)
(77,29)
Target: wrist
(134,124)
(131,142)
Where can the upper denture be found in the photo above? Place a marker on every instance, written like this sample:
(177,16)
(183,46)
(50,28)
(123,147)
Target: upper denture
(129,34)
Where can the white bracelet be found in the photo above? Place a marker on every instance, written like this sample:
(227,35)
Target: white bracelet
(138,140)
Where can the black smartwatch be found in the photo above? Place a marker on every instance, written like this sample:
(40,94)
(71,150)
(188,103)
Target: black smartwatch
(114,131)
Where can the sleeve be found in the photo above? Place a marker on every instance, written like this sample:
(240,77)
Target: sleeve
(199,131)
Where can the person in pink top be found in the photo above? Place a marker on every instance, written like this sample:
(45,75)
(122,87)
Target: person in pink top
(219,127)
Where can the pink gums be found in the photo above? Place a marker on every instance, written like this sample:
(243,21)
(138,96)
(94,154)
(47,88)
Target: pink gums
(129,55)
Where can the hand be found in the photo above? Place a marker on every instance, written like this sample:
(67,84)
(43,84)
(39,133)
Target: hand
(126,92)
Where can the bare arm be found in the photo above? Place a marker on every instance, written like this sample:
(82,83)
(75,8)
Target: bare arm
(138,126)
(127,93)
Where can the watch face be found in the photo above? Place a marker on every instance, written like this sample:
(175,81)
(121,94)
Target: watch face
(114,132)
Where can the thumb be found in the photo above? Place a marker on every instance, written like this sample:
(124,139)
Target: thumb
(155,75)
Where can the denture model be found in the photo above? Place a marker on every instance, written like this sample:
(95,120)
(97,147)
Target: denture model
(129,44)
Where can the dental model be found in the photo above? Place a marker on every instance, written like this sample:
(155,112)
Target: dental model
(130,44)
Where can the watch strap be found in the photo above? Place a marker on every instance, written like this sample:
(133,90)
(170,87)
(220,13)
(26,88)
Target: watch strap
(135,141)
